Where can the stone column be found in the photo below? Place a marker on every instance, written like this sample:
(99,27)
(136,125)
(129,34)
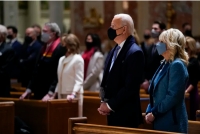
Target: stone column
(56,9)
(10,13)
(143,17)
(195,18)
(34,13)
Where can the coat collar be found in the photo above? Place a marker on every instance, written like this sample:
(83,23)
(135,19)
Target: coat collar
(67,59)
(163,68)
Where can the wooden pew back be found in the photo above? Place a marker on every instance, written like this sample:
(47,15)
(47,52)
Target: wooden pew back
(7,118)
(79,126)
(91,104)
(45,117)
(198,115)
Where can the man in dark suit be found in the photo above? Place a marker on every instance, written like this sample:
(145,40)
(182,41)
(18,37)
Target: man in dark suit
(6,58)
(152,58)
(123,74)
(44,78)
(30,51)
(16,45)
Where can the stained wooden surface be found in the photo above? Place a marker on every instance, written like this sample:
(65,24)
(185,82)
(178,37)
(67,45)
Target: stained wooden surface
(6,117)
(45,117)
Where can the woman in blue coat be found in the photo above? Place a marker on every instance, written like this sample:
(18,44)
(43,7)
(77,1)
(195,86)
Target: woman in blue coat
(167,110)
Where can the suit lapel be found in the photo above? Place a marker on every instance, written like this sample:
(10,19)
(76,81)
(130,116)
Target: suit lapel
(162,73)
(128,43)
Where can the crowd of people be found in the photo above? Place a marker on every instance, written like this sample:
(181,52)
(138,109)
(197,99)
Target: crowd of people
(50,65)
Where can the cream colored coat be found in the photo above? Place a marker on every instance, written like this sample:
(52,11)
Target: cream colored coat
(94,72)
(70,77)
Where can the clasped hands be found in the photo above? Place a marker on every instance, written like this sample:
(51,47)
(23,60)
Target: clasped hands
(149,118)
(103,109)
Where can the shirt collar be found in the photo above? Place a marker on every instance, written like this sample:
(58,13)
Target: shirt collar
(13,40)
(122,44)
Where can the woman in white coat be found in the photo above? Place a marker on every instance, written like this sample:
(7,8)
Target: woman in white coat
(70,72)
(93,63)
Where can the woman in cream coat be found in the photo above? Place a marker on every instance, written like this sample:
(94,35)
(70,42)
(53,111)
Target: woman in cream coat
(93,63)
(70,72)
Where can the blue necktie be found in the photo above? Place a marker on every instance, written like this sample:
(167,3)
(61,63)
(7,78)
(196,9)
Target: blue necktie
(114,56)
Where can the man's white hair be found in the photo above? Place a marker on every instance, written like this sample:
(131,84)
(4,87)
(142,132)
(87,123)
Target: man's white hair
(126,20)
(54,27)
(3,30)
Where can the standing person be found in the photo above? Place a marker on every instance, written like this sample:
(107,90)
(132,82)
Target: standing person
(6,57)
(16,45)
(187,29)
(44,78)
(30,51)
(152,58)
(123,74)
(194,71)
(38,30)
(70,72)
(167,110)
(93,63)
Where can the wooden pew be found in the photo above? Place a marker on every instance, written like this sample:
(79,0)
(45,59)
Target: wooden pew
(90,105)
(193,127)
(80,126)
(90,93)
(198,115)
(18,94)
(6,117)
(45,117)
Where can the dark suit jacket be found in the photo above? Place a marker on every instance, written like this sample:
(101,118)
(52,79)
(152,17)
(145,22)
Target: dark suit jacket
(44,77)
(15,67)
(6,58)
(28,60)
(122,84)
(152,60)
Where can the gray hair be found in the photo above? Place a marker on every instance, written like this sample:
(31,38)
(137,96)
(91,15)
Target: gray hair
(54,28)
(126,20)
(3,30)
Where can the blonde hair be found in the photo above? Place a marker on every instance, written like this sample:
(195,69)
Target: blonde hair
(71,42)
(191,43)
(135,35)
(175,42)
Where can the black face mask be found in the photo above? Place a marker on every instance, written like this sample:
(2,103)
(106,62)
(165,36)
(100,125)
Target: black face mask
(112,33)
(89,45)
(188,32)
(28,40)
(146,36)
(10,37)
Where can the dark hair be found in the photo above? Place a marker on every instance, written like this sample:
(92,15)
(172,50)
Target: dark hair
(185,24)
(161,24)
(14,29)
(36,25)
(96,41)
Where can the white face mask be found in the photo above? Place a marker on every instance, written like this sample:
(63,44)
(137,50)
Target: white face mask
(45,37)
(154,33)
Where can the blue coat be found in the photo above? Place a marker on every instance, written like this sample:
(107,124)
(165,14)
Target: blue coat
(167,103)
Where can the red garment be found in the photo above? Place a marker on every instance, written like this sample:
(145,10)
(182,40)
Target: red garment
(49,51)
(86,57)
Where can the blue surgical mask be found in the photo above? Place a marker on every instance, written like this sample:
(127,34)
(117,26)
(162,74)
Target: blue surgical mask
(161,48)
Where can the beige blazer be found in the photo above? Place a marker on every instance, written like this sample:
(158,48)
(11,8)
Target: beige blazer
(70,74)
(94,72)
